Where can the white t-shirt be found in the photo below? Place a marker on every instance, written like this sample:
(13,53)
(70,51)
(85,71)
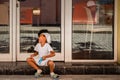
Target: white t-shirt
(43,51)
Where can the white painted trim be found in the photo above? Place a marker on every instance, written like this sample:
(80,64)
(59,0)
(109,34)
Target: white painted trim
(61,55)
(5,57)
(14,31)
(18,33)
(24,56)
(115,32)
(105,61)
(11,28)
(68,30)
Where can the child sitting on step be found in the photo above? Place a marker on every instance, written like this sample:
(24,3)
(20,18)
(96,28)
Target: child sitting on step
(41,57)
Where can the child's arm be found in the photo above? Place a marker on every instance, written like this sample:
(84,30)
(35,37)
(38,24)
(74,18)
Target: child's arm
(35,54)
(52,53)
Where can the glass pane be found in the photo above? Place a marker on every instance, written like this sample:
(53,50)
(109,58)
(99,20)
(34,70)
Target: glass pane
(36,15)
(4,26)
(92,29)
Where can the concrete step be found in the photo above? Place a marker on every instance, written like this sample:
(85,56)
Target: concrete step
(22,68)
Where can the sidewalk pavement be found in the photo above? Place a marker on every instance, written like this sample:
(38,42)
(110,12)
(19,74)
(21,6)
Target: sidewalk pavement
(62,77)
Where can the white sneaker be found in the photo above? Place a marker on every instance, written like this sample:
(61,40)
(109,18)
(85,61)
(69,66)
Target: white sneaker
(37,75)
(55,75)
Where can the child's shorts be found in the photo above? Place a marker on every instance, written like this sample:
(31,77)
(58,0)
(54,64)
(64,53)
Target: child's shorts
(43,63)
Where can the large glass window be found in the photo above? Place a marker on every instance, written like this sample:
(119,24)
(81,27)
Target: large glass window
(4,26)
(93,29)
(38,15)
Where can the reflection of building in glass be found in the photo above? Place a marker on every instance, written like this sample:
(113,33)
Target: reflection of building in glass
(50,13)
(92,29)
(107,12)
(26,16)
(82,14)
(36,12)
(4,15)
(42,15)
(104,11)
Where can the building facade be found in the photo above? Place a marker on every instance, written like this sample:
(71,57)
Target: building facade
(79,33)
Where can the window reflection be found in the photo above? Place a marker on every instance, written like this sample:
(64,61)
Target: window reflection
(36,15)
(4,26)
(92,36)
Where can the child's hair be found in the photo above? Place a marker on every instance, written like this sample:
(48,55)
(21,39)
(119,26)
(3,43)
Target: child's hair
(41,31)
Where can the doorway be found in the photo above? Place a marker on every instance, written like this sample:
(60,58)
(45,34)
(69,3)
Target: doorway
(93,30)
(36,15)
(5,30)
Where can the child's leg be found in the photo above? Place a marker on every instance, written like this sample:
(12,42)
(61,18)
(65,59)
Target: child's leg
(32,63)
(51,64)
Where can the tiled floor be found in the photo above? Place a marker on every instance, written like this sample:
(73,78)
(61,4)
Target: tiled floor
(62,77)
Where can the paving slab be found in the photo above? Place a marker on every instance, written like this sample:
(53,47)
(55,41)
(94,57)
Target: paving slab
(62,77)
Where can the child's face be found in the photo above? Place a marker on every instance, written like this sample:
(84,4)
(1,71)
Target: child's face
(42,38)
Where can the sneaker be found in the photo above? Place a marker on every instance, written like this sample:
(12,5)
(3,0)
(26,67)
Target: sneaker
(37,75)
(55,76)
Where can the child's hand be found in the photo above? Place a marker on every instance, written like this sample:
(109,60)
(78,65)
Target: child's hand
(44,57)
